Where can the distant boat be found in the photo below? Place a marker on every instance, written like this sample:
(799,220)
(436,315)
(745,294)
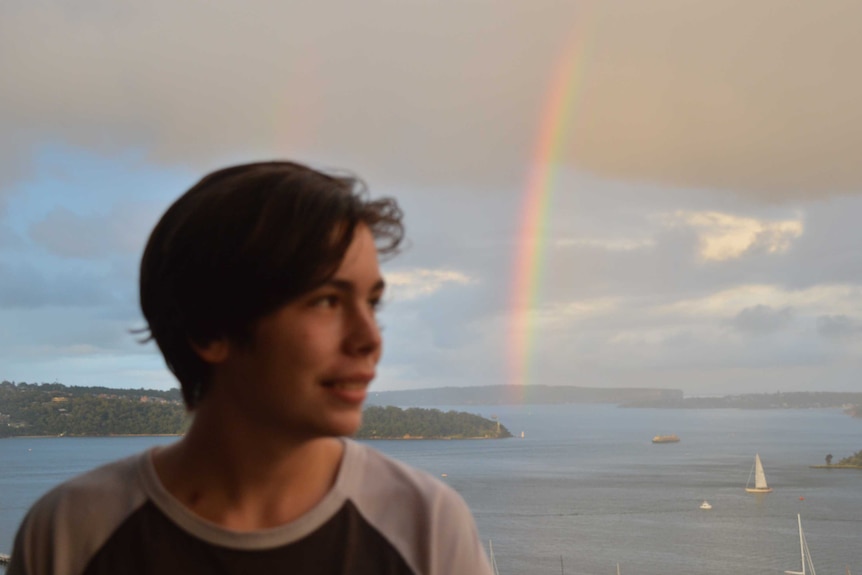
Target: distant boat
(760,485)
(673,438)
(705,505)
(803,551)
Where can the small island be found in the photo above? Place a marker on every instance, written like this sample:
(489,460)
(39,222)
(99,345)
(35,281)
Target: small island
(419,423)
(852,462)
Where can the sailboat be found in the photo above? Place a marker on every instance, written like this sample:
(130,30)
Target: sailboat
(760,485)
(491,557)
(806,555)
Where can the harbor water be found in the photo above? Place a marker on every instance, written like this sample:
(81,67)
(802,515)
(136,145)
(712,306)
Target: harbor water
(585,488)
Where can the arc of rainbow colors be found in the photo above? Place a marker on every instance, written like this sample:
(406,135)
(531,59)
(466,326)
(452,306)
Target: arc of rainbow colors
(529,269)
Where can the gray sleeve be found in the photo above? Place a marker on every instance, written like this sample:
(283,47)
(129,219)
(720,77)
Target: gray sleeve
(68,525)
(456,546)
(427,521)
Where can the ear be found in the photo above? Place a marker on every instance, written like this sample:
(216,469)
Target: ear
(214,351)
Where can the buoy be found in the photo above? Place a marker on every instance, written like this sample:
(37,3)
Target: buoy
(801,498)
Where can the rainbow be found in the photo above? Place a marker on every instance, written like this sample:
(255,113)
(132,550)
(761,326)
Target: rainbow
(564,93)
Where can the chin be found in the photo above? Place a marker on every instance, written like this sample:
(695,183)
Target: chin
(345,424)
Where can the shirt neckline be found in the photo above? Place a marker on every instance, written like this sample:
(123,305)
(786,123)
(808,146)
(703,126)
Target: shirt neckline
(258,539)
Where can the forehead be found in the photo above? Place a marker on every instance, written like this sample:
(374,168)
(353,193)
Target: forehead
(361,255)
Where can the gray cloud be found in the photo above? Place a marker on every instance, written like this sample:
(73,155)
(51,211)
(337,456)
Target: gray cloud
(27,286)
(69,235)
(762,319)
(686,94)
(123,230)
(838,326)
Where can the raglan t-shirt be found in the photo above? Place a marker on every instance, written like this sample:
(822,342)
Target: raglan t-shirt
(380,517)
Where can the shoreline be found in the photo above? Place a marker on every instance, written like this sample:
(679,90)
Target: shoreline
(411,438)
(418,438)
(92,436)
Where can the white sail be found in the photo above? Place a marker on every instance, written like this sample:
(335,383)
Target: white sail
(759,475)
(760,485)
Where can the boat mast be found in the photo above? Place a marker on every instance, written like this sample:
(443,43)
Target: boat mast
(801,541)
(493,559)
(801,548)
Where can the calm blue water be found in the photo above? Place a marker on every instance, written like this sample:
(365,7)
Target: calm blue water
(587,484)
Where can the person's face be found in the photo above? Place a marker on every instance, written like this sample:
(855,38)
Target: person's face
(311,361)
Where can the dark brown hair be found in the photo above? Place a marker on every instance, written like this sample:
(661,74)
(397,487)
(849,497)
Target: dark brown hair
(241,243)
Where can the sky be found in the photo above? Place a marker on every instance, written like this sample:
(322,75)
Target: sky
(702,182)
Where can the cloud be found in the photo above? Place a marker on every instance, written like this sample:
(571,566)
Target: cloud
(123,229)
(762,319)
(418,283)
(611,245)
(68,234)
(814,301)
(687,94)
(838,326)
(27,286)
(726,236)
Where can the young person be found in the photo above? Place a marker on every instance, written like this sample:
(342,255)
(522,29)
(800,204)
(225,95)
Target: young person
(260,286)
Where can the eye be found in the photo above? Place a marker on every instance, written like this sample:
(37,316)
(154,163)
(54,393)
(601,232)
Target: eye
(375,303)
(327,301)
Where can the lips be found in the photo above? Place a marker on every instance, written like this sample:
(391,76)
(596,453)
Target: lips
(351,389)
(348,385)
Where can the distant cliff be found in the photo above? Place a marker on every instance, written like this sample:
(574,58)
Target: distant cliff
(511,395)
(849,401)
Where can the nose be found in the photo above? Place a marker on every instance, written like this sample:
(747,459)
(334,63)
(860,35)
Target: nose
(364,338)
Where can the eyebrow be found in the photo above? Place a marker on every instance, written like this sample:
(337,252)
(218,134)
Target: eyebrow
(348,286)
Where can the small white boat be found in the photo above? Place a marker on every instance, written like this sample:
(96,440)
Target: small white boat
(705,505)
(760,485)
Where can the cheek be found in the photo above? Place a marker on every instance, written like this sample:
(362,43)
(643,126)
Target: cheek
(310,347)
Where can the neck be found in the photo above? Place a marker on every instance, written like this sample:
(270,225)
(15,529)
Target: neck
(246,480)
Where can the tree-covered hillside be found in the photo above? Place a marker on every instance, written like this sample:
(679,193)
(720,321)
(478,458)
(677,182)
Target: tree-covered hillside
(855,459)
(417,423)
(55,409)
